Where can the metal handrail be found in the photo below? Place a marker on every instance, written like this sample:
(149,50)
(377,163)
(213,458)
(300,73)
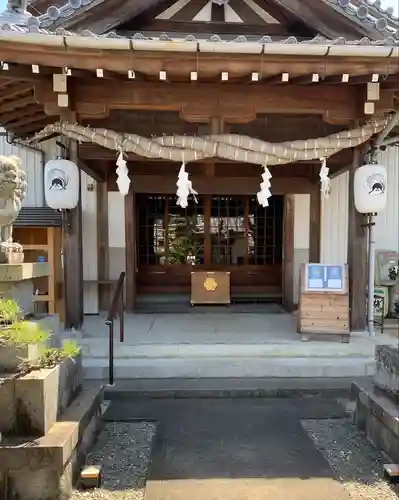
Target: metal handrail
(116,307)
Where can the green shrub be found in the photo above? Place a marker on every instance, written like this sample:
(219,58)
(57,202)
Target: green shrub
(23,333)
(9,311)
(14,331)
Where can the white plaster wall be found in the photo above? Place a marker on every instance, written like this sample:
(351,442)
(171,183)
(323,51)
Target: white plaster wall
(387,223)
(89,241)
(301,236)
(334,240)
(33,166)
(334,222)
(116,234)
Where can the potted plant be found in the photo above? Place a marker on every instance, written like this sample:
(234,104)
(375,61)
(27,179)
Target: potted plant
(45,379)
(20,341)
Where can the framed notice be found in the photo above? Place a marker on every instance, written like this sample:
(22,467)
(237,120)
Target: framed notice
(324,278)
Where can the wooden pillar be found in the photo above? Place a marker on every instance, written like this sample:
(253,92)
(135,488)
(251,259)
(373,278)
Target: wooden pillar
(103,246)
(315,224)
(131,251)
(288,252)
(73,257)
(357,253)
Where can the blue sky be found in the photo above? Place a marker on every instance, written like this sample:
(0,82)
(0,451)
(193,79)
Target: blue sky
(385,3)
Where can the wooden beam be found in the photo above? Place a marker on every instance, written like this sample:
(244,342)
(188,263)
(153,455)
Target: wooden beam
(24,113)
(23,120)
(7,107)
(87,168)
(288,252)
(202,100)
(73,259)
(217,127)
(131,257)
(17,90)
(103,245)
(315,224)
(357,252)
(218,186)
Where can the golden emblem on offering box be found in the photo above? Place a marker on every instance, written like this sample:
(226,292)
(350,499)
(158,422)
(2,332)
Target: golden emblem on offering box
(210,284)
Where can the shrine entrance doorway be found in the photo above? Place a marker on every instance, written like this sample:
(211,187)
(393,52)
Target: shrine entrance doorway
(219,233)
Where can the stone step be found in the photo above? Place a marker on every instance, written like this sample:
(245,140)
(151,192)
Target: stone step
(229,367)
(378,416)
(98,348)
(215,388)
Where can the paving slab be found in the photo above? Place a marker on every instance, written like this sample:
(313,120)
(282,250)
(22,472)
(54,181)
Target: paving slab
(235,449)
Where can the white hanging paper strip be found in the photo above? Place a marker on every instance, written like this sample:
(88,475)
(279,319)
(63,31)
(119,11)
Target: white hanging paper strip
(264,194)
(122,172)
(325,180)
(184,188)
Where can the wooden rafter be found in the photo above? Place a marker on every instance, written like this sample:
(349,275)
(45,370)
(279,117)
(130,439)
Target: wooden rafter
(199,102)
(182,64)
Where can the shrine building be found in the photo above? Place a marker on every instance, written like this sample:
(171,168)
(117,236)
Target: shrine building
(212,136)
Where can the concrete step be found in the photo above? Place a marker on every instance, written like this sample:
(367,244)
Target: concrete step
(230,367)
(215,388)
(98,348)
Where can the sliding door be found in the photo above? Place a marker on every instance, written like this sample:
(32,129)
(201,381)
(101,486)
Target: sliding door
(231,233)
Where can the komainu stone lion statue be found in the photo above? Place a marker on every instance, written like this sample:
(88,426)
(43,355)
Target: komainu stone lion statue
(12,193)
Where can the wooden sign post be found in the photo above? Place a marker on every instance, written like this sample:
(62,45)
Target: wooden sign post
(323,301)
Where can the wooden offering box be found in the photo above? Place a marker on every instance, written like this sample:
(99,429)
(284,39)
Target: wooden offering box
(323,301)
(210,287)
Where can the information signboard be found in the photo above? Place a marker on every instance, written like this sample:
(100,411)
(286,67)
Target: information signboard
(325,278)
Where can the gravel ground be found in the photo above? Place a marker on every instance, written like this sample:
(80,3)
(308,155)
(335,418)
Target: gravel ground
(123,450)
(355,461)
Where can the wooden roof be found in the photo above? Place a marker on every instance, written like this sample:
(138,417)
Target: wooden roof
(201,42)
(331,18)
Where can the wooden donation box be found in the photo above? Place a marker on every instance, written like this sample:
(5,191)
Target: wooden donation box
(210,287)
(323,301)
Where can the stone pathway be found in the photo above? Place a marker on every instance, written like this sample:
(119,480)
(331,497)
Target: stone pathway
(236,449)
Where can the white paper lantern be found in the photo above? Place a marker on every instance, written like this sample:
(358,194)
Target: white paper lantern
(61,184)
(370,189)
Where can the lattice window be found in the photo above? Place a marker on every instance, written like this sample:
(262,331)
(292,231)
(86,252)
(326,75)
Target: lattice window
(238,232)
(265,231)
(167,233)
(227,230)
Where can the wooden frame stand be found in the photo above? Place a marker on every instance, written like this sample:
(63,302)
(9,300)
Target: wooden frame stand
(44,244)
(323,313)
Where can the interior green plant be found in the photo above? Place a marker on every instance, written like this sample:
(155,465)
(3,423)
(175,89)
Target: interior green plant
(187,240)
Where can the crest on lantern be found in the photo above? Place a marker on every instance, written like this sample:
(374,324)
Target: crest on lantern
(61,184)
(370,188)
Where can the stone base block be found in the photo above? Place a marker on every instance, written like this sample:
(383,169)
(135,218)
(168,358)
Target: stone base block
(8,416)
(16,282)
(47,322)
(378,417)
(387,370)
(42,395)
(12,356)
(46,468)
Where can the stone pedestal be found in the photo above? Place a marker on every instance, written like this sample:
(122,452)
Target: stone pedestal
(387,370)
(49,422)
(377,407)
(16,282)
